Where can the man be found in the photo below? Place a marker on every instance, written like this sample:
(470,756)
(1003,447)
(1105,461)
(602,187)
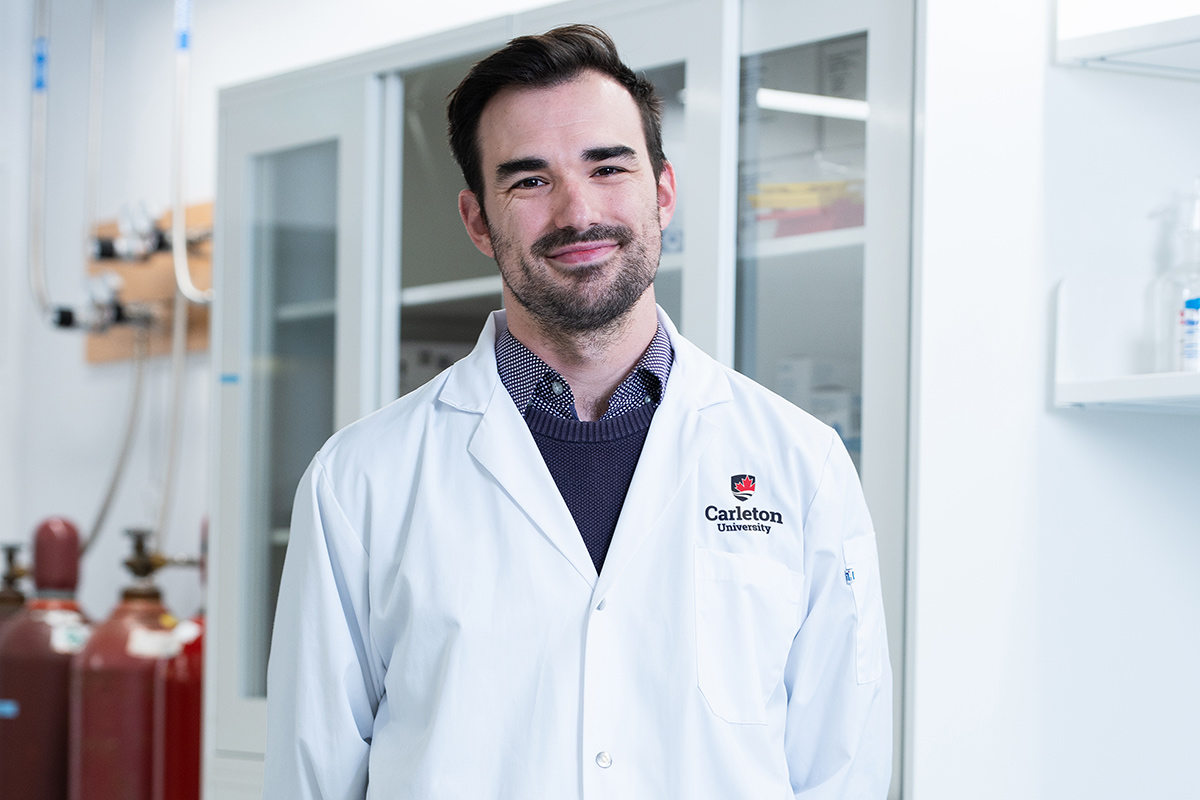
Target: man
(587,560)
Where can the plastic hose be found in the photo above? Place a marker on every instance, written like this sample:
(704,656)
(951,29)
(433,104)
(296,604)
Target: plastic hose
(37,160)
(178,353)
(141,340)
(183,275)
(186,291)
(95,117)
(37,150)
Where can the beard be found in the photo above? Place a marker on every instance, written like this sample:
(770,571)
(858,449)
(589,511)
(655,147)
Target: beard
(593,297)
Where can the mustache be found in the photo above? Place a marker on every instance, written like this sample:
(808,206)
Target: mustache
(564,237)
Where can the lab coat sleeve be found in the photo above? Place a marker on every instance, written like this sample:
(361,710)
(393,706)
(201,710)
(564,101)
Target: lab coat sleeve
(839,716)
(323,678)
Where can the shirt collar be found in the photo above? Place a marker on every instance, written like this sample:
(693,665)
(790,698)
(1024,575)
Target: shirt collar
(530,381)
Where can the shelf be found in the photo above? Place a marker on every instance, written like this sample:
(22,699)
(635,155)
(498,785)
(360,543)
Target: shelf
(670,262)
(1161,392)
(1164,392)
(809,242)
(1170,49)
(448,291)
(313,309)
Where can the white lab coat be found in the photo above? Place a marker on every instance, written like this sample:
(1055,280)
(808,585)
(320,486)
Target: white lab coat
(442,633)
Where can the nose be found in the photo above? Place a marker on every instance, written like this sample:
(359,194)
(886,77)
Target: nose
(575,204)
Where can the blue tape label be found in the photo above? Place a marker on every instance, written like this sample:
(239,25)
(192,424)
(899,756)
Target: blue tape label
(229,377)
(9,709)
(41,49)
(183,24)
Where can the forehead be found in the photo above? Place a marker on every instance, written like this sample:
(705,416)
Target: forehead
(588,111)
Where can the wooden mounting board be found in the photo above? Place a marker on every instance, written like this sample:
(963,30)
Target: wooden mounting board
(152,281)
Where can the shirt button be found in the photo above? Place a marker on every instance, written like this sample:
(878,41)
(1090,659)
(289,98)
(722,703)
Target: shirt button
(557,387)
(603,604)
(648,399)
(603,759)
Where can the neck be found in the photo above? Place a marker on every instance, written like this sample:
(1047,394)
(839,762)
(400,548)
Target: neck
(593,362)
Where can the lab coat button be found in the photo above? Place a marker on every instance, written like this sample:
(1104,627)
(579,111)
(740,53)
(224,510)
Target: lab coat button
(603,759)
(603,603)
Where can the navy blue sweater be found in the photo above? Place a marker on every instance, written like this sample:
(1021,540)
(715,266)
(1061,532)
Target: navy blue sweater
(592,464)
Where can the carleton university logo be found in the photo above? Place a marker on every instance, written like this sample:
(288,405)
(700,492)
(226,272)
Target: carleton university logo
(743,518)
(742,486)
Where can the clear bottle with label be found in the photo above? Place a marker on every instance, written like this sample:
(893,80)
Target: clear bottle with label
(1178,298)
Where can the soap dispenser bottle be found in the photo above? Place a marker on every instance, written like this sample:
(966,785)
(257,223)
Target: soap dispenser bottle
(1179,297)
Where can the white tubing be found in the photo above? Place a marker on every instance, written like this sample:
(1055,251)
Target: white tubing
(37,160)
(141,337)
(186,291)
(183,275)
(178,353)
(37,152)
(95,117)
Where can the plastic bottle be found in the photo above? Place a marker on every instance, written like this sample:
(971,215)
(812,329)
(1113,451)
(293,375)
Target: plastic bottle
(1179,298)
(35,668)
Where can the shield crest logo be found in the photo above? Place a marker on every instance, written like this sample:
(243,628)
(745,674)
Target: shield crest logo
(742,486)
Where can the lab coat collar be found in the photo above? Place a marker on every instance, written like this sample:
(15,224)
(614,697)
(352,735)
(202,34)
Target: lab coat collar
(676,440)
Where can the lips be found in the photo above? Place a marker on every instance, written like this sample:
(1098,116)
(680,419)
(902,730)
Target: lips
(583,253)
(568,246)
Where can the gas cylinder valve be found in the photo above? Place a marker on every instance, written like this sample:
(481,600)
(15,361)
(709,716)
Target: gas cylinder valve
(13,572)
(143,563)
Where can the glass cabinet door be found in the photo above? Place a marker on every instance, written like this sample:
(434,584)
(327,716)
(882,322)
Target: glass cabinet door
(824,247)
(801,231)
(292,346)
(289,355)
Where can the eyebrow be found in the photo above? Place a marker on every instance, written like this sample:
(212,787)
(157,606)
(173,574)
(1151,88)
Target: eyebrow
(507,169)
(608,153)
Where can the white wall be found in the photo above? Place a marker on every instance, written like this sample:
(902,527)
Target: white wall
(1054,551)
(60,418)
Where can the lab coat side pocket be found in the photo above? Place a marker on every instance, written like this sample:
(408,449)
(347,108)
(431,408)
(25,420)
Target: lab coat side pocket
(862,573)
(747,611)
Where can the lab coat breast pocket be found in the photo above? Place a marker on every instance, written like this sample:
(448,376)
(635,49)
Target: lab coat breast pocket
(747,613)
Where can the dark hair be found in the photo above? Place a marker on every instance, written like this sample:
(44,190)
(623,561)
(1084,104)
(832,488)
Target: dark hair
(551,59)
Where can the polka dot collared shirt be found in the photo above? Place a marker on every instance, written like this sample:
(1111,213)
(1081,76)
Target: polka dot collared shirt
(532,383)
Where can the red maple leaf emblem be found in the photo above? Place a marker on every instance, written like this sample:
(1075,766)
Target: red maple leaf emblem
(746,484)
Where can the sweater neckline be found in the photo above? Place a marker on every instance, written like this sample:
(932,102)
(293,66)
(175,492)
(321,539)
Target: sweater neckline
(572,430)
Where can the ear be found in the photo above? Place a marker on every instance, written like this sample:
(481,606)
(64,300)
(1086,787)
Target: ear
(472,217)
(666,195)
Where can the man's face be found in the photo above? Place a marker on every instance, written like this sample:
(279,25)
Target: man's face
(574,215)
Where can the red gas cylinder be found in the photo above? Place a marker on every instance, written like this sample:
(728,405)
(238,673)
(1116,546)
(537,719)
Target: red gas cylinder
(185,694)
(130,686)
(35,664)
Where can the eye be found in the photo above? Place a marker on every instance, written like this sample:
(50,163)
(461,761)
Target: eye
(529,183)
(603,171)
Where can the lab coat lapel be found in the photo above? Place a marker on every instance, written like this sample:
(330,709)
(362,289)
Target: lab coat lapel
(504,447)
(677,439)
